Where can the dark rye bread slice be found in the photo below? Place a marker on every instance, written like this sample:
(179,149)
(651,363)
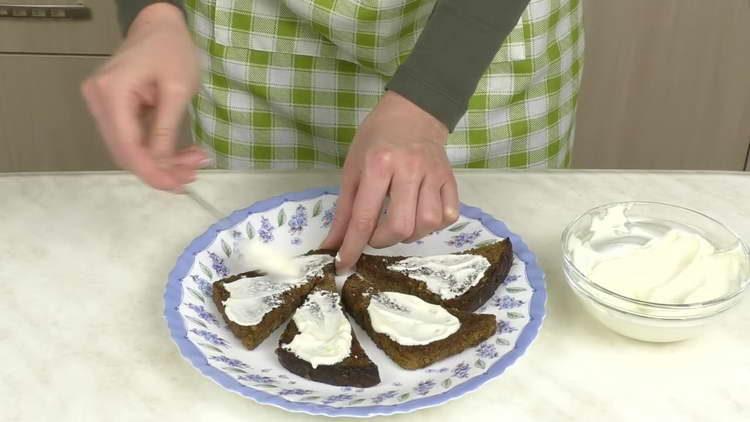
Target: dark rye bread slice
(253,335)
(475,328)
(356,370)
(499,254)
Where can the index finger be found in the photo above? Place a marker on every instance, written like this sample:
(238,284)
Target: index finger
(365,213)
(344,205)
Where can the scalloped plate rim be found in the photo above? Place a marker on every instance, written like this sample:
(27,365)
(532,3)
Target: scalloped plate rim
(178,332)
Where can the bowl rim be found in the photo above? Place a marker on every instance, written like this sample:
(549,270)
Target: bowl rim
(567,260)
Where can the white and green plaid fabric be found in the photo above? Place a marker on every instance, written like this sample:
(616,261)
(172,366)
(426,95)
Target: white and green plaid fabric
(287,82)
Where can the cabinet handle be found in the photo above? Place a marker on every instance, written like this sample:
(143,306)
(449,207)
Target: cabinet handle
(44,11)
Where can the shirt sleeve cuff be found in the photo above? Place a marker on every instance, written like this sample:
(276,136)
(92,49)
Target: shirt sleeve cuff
(432,99)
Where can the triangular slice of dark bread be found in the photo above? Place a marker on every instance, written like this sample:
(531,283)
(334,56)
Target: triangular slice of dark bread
(253,335)
(475,328)
(499,254)
(356,370)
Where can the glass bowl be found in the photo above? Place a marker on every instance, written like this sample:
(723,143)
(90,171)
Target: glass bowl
(635,223)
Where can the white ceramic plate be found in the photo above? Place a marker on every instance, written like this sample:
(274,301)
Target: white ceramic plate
(299,221)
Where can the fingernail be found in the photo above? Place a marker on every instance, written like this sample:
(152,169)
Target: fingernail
(450,212)
(339,270)
(346,273)
(206,162)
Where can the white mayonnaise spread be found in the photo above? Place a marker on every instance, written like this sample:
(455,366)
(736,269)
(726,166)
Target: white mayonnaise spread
(409,320)
(325,335)
(251,298)
(448,276)
(673,266)
(257,256)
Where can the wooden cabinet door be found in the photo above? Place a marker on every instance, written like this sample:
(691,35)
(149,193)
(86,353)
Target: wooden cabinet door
(666,85)
(98,35)
(44,124)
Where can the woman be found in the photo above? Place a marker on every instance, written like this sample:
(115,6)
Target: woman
(396,91)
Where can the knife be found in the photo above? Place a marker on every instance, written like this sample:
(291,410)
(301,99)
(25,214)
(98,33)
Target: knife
(198,199)
(253,255)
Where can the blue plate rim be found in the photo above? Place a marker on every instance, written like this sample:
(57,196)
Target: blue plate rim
(178,331)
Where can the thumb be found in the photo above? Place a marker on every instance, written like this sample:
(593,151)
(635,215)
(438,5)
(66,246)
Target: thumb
(170,110)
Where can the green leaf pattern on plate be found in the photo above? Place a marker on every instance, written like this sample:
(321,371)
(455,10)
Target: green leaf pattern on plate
(196,294)
(317,208)
(207,271)
(458,227)
(515,315)
(211,347)
(226,248)
(196,321)
(249,230)
(515,289)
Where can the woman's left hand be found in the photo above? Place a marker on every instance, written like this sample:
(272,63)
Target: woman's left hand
(398,151)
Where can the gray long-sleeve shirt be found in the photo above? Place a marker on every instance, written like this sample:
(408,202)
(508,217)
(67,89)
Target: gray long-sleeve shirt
(455,48)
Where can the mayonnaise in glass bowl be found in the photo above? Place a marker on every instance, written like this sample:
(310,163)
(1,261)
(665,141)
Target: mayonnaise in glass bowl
(653,271)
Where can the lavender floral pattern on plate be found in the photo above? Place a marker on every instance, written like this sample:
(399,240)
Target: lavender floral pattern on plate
(298,222)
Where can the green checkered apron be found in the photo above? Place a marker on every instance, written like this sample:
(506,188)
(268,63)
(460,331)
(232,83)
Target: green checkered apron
(287,82)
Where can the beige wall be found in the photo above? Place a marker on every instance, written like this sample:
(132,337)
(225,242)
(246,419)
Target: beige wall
(666,85)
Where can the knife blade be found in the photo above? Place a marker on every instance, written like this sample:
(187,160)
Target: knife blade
(205,205)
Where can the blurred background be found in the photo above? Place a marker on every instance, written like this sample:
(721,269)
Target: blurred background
(666,85)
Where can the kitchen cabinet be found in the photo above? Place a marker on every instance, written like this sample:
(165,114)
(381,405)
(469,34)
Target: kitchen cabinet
(44,124)
(98,34)
(666,85)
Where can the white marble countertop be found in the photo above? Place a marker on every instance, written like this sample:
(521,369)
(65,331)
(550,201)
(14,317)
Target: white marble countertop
(84,259)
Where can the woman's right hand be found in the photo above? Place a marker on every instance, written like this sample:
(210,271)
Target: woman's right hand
(139,97)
